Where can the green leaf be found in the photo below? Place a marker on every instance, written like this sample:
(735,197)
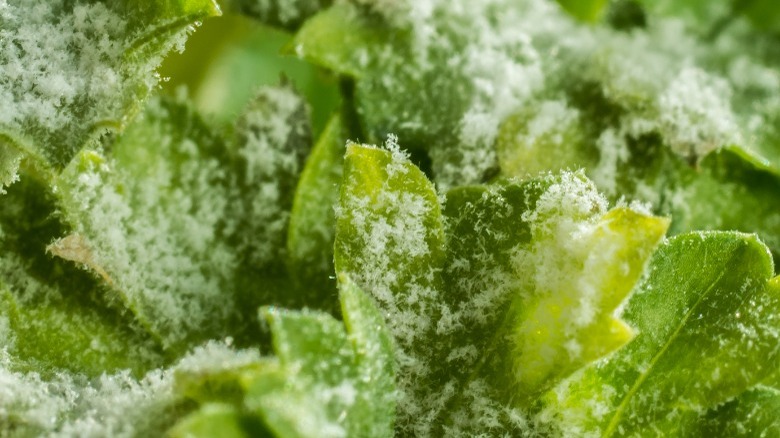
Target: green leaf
(328,381)
(181,223)
(272,139)
(708,329)
(525,151)
(74,69)
(754,412)
(441,99)
(728,192)
(228,59)
(312,219)
(146,220)
(568,322)
(520,294)
(340,39)
(534,286)
(588,11)
(726,189)
(390,240)
(53,315)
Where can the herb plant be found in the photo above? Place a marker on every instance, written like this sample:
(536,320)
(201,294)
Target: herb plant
(375,218)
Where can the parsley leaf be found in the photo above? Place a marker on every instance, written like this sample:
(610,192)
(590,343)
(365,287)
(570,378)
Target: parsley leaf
(707,331)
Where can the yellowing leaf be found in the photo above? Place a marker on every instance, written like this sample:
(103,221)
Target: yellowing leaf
(708,329)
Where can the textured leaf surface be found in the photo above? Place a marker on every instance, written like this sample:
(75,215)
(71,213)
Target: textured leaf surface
(519,293)
(52,314)
(708,330)
(755,412)
(390,239)
(328,381)
(423,49)
(179,222)
(73,69)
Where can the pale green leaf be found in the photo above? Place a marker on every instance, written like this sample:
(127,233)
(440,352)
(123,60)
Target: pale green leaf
(708,328)
(325,38)
(211,420)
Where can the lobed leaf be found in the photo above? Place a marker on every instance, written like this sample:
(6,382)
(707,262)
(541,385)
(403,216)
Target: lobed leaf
(707,332)
(520,294)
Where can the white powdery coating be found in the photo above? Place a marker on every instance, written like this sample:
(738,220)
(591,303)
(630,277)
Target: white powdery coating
(214,356)
(286,12)
(9,166)
(271,136)
(385,242)
(65,72)
(551,121)
(30,401)
(119,406)
(481,414)
(42,73)
(158,239)
(505,71)
(68,406)
(696,115)
(394,246)
(116,405)
(565,222)
(614,152)
(474,50)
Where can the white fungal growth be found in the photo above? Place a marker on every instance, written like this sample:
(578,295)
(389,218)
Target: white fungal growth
(66,73)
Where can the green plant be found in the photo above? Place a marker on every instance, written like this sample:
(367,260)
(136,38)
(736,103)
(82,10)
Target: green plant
(447,218)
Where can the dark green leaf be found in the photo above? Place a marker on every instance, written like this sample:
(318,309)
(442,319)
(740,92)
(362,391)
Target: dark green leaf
(312,220)
(708,330)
